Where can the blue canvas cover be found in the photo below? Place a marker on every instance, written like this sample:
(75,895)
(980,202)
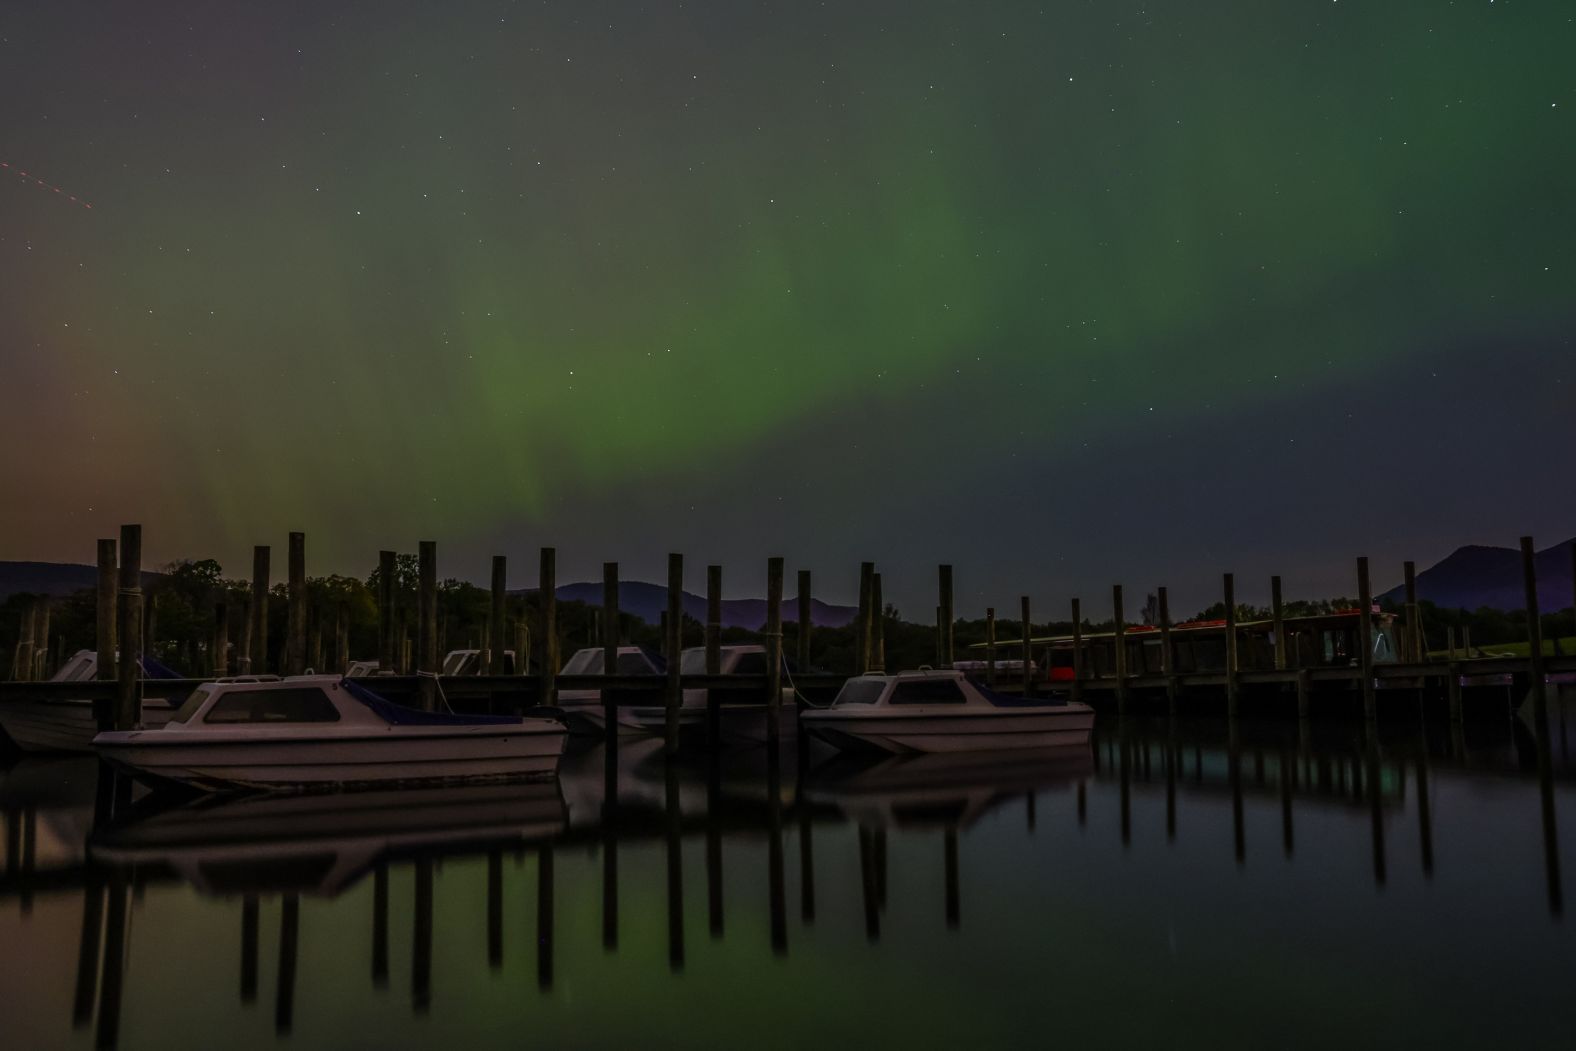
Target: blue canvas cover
(399,715)
(152,668)
(1008,700)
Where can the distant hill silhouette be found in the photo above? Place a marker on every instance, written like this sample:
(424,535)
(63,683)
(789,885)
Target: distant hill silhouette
(650,601)
(55,579)
(1474,576)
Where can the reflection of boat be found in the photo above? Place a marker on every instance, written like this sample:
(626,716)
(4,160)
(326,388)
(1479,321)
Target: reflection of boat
(68,724)
(951,789)
(321,731)
(943,711)
(583,708)
(742,714)
(323,843)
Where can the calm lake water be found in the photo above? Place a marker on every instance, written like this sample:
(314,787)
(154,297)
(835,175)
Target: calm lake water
(1167,886)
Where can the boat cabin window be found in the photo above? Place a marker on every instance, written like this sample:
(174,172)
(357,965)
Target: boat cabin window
(860,691)
(634,664)
(693,662)
(195,700)
(927,691)
(585,662)
(751,663)
(296,704)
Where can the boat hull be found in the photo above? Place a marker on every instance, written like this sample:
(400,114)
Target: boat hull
(905,732)
(333,762)
(65,726)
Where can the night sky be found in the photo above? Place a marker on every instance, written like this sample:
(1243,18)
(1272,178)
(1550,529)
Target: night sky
(1065,293)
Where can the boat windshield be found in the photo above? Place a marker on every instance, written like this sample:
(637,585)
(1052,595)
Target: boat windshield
(198,698)
(635,664)
(694,661)
(584,662)
(860,691)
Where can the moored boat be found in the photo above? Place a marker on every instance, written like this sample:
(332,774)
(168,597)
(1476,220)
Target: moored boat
(742,713)
(583,708)
(324,732)
(943,711)
(67,724)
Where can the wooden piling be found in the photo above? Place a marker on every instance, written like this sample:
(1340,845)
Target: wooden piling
(774,651)
(1028,649)
(259,608)
(497,660)
(427,666)
(221,640)
(1229,587)
(1365,632)
(104,611)
(610,651)
(1167,655)
(990,647)
(674,696)
(295,631)
(877,625)
(387,660)
(713,641)
(1119,633)
(547,605)
(947,621)
(1078,663)
(806,619)
(1529,579)
(128,707)
(867,572)
(1414,616)
(1278,613)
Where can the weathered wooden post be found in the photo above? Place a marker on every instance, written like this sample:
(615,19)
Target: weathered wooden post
(496,645)
(22,656)
(259,608)
(1078,664)
(221,639)
(1229,586)
(387,660)
(341,638)
(1028,649)
(946,616)
(1450,642)
(1278,612)
(1119,637)
(990,647)
(547,605)
(1365,631)
(675,691)
(1414,616)
(806,619)
(1529,580)
(427,666)
(150,616)
(295,632)
(1304,693)
(610,652)
(774,652)
(713,642)
(128,707)
(104,612)
(1167,655)
(867,571)
(877,625)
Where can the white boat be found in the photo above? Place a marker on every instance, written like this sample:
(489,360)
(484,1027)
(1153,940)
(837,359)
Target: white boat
(322,731)
(943,711)
(469,662)
(67,724)
(743,713)
(583,708)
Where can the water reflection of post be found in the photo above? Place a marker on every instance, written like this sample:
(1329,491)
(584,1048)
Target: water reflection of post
(1288,840)
(108,1031)
(1376,810)
(714,913)
(380,927)
(806,867)
(421,941)
(675,858)
(1028,811)
(29,855)
(1551,843)
(1234,768)
(774,852)
(867,882)
(1123,751)
(950,850)
(495,909)
(88,952)
(1173,757)
(1425,817)
(249,929)
(1083,803)
(544,916)
(289,938)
